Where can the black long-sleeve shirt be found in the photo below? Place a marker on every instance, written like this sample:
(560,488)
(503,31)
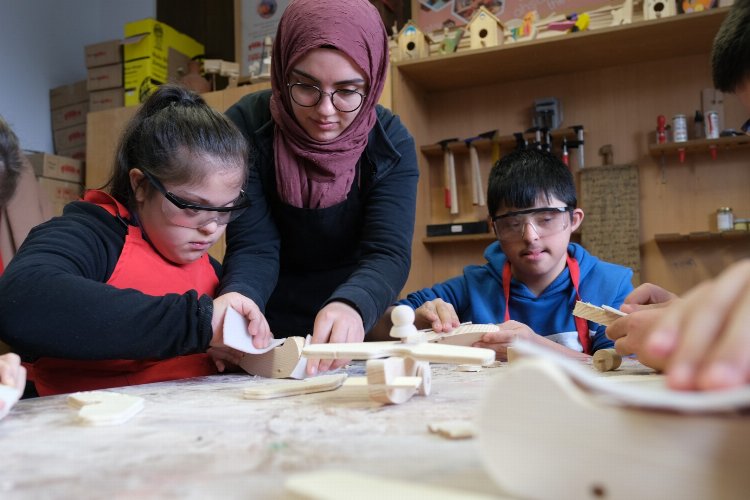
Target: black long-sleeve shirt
(292,261)
(54,300)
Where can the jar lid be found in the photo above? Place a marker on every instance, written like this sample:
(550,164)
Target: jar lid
(724,209)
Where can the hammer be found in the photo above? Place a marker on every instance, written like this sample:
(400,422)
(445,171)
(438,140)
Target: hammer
(450,189)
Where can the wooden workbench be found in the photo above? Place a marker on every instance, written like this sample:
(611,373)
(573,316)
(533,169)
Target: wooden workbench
(199,438)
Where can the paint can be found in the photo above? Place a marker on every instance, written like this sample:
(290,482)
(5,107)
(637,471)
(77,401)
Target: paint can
(679,128)
(724,219)
(712,125)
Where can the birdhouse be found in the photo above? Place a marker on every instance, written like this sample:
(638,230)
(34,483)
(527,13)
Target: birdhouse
(656,9)
(412,43)
(485,30)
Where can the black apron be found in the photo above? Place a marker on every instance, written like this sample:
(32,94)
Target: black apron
(320,249)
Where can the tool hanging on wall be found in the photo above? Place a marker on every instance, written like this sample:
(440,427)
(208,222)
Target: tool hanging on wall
(477,186)
(477,194)
(450,189)
(578,143)
(521,142)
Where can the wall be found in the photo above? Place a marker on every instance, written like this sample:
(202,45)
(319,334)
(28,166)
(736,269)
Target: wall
(42,47)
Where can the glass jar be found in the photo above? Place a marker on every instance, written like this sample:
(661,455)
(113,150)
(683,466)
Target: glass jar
(724,219)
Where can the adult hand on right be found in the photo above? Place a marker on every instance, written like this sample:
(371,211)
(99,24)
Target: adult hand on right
(704,339)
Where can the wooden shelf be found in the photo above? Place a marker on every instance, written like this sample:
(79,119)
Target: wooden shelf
(698,236)
(461,238)
(567,54)
(700,145)
(505,142)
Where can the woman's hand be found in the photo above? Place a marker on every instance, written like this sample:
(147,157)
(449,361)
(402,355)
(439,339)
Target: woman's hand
(257,326)
(336,323)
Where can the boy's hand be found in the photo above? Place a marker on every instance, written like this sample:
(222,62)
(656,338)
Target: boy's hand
(337,322)
(12,373)
(225,358)
(257,326)
(436,314)
(508,332)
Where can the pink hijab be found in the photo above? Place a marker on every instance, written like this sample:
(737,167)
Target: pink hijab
(309,173)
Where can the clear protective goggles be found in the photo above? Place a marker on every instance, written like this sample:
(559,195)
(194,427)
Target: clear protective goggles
(191,215)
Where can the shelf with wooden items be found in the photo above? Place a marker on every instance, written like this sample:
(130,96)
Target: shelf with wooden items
(614,80)
(700,145)
(702,236)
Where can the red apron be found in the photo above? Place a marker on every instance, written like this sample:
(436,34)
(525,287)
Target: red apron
(141,268)
(582,326)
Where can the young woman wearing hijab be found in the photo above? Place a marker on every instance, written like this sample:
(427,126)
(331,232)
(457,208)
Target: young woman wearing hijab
(326,246)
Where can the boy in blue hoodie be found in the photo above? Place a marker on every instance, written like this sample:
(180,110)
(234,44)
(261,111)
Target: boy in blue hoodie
(533,275)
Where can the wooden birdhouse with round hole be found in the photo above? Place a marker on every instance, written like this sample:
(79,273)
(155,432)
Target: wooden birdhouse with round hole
(412,43)
(485,30)
(657,9)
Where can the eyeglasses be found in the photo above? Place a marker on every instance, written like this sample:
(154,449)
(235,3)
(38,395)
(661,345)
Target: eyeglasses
(545,221)
(185,214)
(307,96)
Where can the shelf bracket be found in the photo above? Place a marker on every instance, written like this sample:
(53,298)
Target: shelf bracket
(663,168)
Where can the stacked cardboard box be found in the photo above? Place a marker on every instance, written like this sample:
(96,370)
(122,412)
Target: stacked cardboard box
(154,54)
(59,177)
(68,106)
(105,82)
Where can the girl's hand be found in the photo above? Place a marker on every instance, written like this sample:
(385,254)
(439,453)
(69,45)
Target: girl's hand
(257,326)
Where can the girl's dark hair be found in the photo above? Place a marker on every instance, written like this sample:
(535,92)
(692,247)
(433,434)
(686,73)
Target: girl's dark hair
(173,126)
(518,179)
(11,162)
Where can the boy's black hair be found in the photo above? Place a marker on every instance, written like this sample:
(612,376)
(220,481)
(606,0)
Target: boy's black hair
(11,162)
(730,56)
(520,178)
(172,127)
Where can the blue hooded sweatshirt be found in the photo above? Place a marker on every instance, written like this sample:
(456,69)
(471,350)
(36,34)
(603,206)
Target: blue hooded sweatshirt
(478,296)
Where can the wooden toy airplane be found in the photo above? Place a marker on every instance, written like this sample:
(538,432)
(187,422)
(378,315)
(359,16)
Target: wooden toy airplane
(600,437)
(406,367)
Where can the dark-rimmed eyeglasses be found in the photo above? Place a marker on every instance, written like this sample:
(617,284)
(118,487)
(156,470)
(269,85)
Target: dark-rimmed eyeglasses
(307,96)
(546,221)
(191,215)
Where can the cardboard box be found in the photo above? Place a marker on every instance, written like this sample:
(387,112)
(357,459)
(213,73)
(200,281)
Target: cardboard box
(106,99)
(153,53)
(56,167)
(69,115)
(103,54)
(105,77)
(76,152)
(67,138)
(60,193)
(68,94)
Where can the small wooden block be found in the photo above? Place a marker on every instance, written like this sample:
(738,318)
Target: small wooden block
(596,314)
(453,429)
(469,368)
(511,354)
(279,362)
(605,360)
(105,407)
(321,383)
(465,335)
(340,485)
